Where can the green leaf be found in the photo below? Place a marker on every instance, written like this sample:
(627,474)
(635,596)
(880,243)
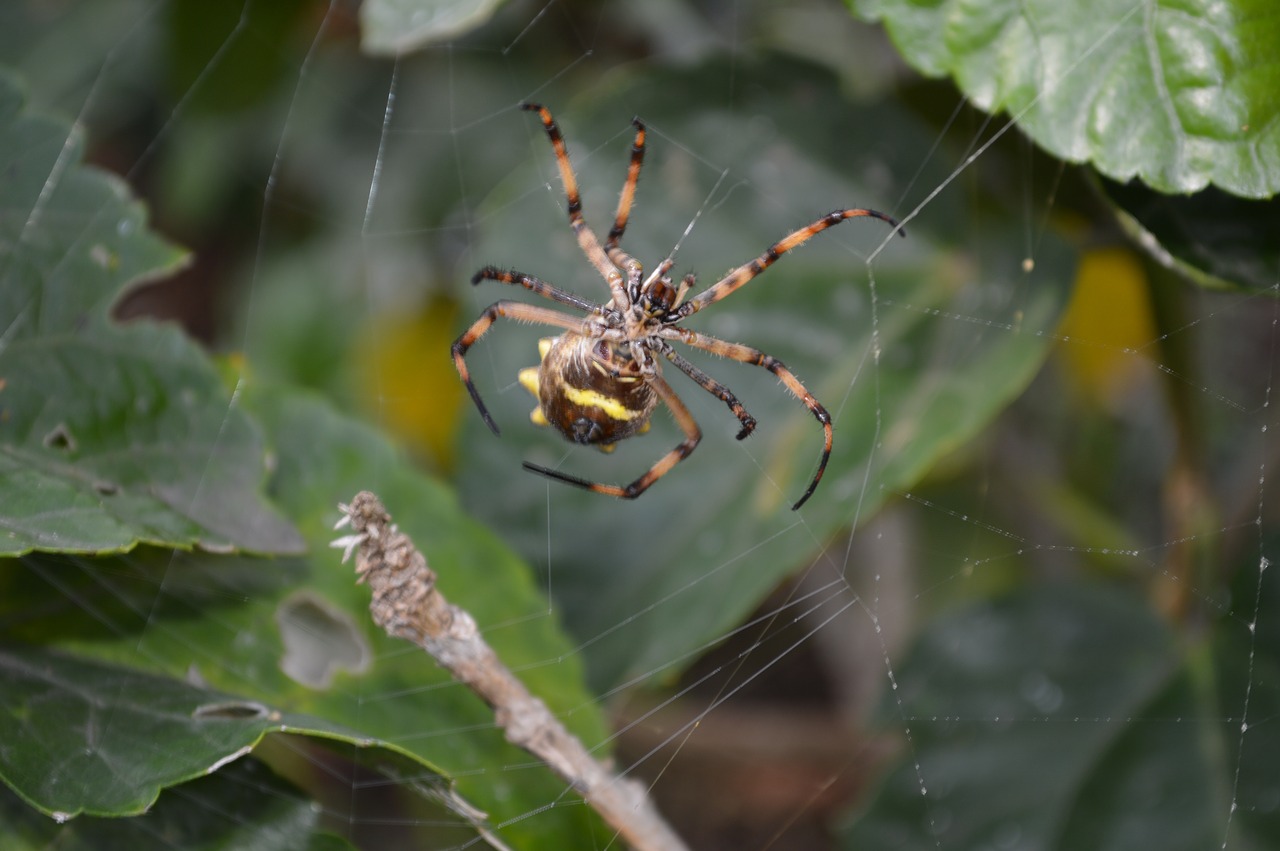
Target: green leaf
(243,806)
(401,26)
(87,737)
(110,436)
(648,582)
(1178,94)
(219,72)
(1069,716)
(405,697)
(1211,238)
(296,634)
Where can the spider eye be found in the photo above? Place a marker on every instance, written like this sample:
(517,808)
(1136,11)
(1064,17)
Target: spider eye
(603,351)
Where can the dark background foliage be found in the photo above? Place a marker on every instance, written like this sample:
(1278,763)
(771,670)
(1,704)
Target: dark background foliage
(1028,607)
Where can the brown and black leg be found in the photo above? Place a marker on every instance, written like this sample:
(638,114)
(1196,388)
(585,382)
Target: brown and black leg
(692,435)
(533,285)
(511,310)
(586,238)
(619,257)
(715,388)
(746,354)
(731,282)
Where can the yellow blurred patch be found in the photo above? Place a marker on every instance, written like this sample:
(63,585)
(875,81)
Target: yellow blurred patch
(407,381)
(1106,325)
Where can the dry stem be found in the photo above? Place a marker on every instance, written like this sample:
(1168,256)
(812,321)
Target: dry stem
(407,604)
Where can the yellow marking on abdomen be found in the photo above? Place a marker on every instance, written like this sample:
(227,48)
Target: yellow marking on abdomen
(528,378)
(595,399)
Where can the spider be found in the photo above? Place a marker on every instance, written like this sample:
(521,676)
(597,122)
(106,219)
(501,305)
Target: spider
(600,381)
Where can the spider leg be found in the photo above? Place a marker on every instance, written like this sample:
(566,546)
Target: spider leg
(746,354)
(586,238)
(715,388)
(512,310)
(692,435)
(628,189)
(533,285)
(731,282)
(619,257)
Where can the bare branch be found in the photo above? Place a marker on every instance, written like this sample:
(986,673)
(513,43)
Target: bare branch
(407,604)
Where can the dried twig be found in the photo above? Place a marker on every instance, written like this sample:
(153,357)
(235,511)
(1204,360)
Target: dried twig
(407,604)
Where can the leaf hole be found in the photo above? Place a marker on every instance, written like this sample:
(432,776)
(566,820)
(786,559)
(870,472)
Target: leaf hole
(319,641)
(231,710)
(61,439)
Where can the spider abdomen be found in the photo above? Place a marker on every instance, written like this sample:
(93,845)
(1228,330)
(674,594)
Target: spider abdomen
(586,398)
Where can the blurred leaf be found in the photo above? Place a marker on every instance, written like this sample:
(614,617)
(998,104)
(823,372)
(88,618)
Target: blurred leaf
(1069,716)
(1211,238)
(110,436)
(1180,95)
(401,26)
(296,633)
(242,806)
(227,56)
(713,537)
(311,313)
(59,51)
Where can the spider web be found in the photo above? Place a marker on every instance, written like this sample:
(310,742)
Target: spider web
(1028,605)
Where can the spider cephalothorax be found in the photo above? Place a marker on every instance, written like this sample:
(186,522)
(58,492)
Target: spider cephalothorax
(600,380)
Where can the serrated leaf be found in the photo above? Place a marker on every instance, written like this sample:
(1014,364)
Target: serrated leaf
(296,633)
(714,536)
(1181,95)
(400,26)
(110,436)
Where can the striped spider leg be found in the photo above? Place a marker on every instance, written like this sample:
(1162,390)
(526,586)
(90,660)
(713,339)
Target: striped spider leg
(600,380)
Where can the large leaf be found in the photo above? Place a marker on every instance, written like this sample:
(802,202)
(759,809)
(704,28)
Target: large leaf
(243,806)
(296,634)
(87,737)
(110,436)
(1179,94)
(710,539)
(1069,717)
